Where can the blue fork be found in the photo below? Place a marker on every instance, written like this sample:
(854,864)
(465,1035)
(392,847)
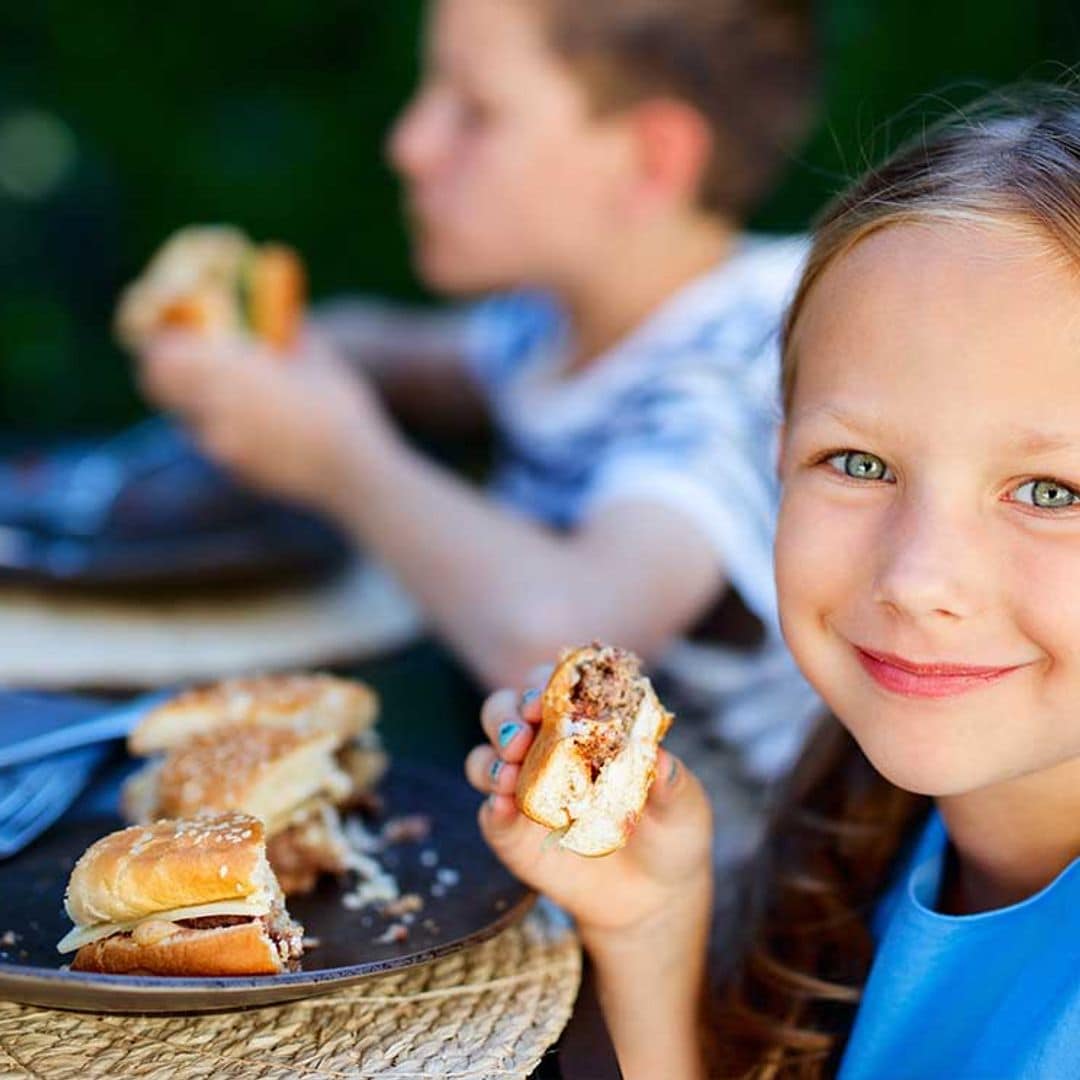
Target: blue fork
(34,795)
(49,750)
(37,726)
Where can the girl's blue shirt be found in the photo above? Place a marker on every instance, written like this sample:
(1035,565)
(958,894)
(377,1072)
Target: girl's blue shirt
(991,996)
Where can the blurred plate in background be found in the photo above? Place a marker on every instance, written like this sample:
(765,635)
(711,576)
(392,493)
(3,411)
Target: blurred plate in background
(144,509)
(64,640)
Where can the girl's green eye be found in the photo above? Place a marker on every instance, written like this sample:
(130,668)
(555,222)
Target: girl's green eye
(860,466)
(1046,495)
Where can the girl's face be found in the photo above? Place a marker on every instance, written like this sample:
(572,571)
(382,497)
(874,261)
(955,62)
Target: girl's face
(928,555)
(507,171)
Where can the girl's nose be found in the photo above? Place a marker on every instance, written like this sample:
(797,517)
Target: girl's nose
(929,564)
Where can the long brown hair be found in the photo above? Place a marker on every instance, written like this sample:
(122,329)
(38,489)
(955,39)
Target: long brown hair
(840,828)
(748,66)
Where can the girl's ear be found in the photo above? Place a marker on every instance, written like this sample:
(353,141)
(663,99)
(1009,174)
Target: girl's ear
(672,146)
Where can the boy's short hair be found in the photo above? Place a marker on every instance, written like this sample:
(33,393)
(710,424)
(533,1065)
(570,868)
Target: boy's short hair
(748,66)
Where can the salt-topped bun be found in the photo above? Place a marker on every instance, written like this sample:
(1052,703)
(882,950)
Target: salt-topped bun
(289,749)
(193,897)
(589,771)
(144,870)
(322,702)
(260,770)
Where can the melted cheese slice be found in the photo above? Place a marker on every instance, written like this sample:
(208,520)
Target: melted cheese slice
(79,936)
(308,808)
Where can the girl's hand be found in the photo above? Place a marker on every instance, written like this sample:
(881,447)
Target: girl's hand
(664,870)
(287,424)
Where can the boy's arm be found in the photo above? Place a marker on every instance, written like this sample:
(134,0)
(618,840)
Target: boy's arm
(507,593)
(416,356)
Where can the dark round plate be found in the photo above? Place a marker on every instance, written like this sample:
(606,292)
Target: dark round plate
(471,903)
(145,510)
(278,545)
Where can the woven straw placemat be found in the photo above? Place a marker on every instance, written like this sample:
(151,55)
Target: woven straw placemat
(57,641)
(485,1012)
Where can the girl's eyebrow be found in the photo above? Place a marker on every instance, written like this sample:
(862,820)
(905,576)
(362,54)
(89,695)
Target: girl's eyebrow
(1031,442)
(839,414)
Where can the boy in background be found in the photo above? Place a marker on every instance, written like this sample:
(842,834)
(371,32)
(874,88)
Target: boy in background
(587,165)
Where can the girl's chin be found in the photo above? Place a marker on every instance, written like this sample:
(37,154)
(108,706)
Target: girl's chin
(933,771)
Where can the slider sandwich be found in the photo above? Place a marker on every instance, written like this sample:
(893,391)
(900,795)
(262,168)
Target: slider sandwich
(212,279)
(588,773)
(183,898)
(292,750)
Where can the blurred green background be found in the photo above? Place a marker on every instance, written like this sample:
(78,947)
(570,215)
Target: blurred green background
(120,122)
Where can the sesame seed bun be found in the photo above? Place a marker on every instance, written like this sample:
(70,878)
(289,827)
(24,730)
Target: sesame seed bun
(321,702)
(260,770)
(170,865)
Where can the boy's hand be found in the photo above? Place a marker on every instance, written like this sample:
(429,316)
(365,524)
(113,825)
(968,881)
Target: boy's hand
(286,424)
(664,869)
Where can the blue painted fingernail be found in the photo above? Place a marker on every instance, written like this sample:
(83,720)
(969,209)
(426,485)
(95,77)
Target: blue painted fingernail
(491,799)
(507,733)
(496,768)
(673,772)
(529,696)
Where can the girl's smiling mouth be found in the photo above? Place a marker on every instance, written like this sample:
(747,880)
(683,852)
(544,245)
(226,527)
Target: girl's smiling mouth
(928,680)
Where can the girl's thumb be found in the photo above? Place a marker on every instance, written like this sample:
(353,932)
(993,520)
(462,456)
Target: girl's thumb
(670,782)
(508,832)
